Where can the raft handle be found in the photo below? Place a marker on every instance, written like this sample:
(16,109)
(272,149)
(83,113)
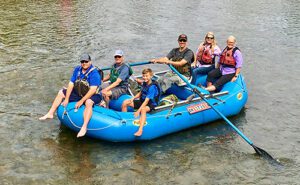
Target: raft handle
(123,121)
(178,114)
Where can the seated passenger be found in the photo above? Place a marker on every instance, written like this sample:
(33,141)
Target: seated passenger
(83,89)
(148,99)
(228,67)
(118,76)
(205,57)
(180,58)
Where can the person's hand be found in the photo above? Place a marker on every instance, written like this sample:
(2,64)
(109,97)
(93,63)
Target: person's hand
(153,60)
(78,104)
(131,100)
(65,103)
(104,91)
(233,79)
(139,81)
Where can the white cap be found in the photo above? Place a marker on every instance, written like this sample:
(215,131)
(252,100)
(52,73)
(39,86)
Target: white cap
(119,53)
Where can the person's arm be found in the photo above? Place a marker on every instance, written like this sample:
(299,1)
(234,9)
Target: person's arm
(160,60)
(71,86)
(195,61)
(237,72)
(239,62)
(106,78)
(138,95)
(180,63)
(217,51)
(68,93)
(165,60)
(113,85)
(123,75)
(218,62)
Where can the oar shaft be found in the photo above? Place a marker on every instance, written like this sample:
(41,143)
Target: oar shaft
(131,64)
(212,106)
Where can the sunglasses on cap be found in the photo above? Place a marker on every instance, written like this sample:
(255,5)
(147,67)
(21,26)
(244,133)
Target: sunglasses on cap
(84,61)
(117,56)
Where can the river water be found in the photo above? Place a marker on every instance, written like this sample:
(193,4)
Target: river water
(41,41)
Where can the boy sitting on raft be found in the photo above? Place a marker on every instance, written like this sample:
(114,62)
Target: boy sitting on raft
(148,99)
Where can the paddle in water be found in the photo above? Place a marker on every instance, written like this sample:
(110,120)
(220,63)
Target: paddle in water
(258,150)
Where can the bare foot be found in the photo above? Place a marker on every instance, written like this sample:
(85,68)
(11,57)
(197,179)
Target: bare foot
(47,116)
(138,133)
(82,132)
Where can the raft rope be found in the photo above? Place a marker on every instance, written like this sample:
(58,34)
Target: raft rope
(128,120)
(87,128)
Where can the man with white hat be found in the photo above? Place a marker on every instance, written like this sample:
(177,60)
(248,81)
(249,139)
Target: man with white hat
(118,77)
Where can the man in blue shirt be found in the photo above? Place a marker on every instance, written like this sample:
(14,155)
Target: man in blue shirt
(118,77)
(82,88)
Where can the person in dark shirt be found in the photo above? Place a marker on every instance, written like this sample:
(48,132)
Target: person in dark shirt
(181,59)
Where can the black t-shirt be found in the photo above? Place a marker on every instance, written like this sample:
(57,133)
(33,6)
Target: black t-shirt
(187,54)
(176,55)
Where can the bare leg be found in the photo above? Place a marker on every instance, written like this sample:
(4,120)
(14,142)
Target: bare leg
(57,101)
(87,114)
(125,104)
(142,120)
(106,98)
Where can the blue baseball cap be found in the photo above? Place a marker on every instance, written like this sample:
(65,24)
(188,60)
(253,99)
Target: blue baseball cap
(85,57)
(119,53)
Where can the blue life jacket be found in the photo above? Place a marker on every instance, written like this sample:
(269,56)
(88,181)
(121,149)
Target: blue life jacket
(145,89)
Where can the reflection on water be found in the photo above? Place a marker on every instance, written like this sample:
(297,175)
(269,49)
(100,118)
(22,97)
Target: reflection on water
(40,43)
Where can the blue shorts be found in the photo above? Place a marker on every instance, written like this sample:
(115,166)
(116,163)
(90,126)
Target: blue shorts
(74,97)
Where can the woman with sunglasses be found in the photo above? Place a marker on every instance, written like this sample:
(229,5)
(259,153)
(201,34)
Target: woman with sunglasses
(205,57)
(82,88)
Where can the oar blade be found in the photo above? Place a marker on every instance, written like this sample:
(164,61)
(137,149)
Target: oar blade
(264,154)
(258,150)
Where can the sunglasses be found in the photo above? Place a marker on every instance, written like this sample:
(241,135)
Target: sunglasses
(84,61)
(117,56)
(182,40)
(210,37)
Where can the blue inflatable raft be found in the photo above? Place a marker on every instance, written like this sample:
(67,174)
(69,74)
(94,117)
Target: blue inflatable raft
(116,126)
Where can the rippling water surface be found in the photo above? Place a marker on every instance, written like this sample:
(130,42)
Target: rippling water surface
(40,42)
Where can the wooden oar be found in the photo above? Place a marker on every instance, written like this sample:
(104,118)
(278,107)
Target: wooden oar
(258,150)
(131,64)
